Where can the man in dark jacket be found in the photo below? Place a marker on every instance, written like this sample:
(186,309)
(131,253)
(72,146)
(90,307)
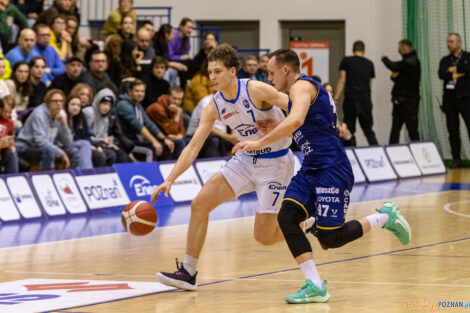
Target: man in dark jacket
(405,93)
(454,70)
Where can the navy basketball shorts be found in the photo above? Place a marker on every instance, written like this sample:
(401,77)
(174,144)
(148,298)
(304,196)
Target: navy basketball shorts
(323,193)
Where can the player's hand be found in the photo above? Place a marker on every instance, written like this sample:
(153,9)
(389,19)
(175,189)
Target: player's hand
(395,74)
(266,125)
(243,146)
(165,187)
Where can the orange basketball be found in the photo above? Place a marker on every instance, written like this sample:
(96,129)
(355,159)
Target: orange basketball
(139,218)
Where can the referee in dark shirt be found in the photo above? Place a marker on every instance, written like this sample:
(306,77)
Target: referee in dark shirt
(454,70)
(357,73)
(405,93)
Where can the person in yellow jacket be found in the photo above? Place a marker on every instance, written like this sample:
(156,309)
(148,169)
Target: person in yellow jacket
(60,39)
(199,87)
(113,23)
(7,73)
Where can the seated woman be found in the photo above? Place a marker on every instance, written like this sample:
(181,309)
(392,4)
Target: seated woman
(60,39)
(130,59)
(84,92)
(20,88)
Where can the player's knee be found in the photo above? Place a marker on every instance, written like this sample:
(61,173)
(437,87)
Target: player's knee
(290,214)
(198,207)
(335,238)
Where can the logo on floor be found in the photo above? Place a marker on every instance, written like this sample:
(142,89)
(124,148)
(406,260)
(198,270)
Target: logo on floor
(37,295)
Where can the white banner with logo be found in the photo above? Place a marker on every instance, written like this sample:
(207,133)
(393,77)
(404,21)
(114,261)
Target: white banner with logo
(8,211)
(402,161)
(68,192)
(102,190)
(314,58)
(375,164)
(208,168)
(359,176)
(23,197)
(47,195)
(428,158)
(39,295)
(186,187)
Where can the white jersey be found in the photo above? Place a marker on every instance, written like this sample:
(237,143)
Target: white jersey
(241,114)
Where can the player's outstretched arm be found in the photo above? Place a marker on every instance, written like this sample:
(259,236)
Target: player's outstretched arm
(190,152)
(302,93)
(261,92)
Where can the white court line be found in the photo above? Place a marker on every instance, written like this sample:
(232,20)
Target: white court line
(251,279)
(448,209)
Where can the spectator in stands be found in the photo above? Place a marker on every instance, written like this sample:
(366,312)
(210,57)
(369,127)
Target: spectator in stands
(84,92)
(79,45)
(144,38)
(219,142)
(156,85)
(10,20)
(97,77)
(112,24)
(7,68)
(127,30)
(72,76)
(167,113)
(39,89)
(113,54)
(54,65)
(130,59)
(8,155)
(250,69)
(64,7)
(82,136)
(4,91)
(148,25)
(20,88)
(24,50)
(263,67)
(161,39)
(44,129)
(179,47)
(137,126)
(210,43)
(60,39)
(199,87)
(30,8)
(98,117)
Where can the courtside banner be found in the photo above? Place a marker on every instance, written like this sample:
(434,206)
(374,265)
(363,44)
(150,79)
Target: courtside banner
(8,211)
(39,295)
(140,180)
(102,190)
(428,158)
(68,192)
(23,197)
(359,176)
(186,187)
(47,194)
(375,164)
(402,161)
(207,168)
(314,57)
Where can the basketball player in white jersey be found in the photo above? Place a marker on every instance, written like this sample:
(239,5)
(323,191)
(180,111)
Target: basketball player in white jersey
(240,104)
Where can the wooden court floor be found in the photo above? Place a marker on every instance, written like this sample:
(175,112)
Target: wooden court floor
(236,274)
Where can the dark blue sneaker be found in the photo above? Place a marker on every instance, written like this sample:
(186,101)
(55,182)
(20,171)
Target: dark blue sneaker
(179,279)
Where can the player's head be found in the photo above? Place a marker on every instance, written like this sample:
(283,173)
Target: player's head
(223,66)
(282,64)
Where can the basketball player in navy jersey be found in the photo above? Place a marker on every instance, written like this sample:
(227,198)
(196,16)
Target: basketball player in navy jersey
(322,186)
(240,104)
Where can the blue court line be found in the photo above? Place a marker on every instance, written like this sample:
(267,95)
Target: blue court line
(434,256)
(270,273)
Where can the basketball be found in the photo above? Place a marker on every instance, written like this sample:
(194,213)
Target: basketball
(139,218)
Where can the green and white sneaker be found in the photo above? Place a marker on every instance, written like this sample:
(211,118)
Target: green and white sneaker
(397,223)
(309,293)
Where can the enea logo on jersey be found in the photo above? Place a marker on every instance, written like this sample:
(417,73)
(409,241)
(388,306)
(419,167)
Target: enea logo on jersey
(141,186)
(276,186)
(246,130)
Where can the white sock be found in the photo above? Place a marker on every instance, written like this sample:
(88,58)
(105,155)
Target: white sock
(310,272)
(377,219)
(190,264)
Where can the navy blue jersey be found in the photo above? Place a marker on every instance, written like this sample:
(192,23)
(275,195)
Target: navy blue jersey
(317,137)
